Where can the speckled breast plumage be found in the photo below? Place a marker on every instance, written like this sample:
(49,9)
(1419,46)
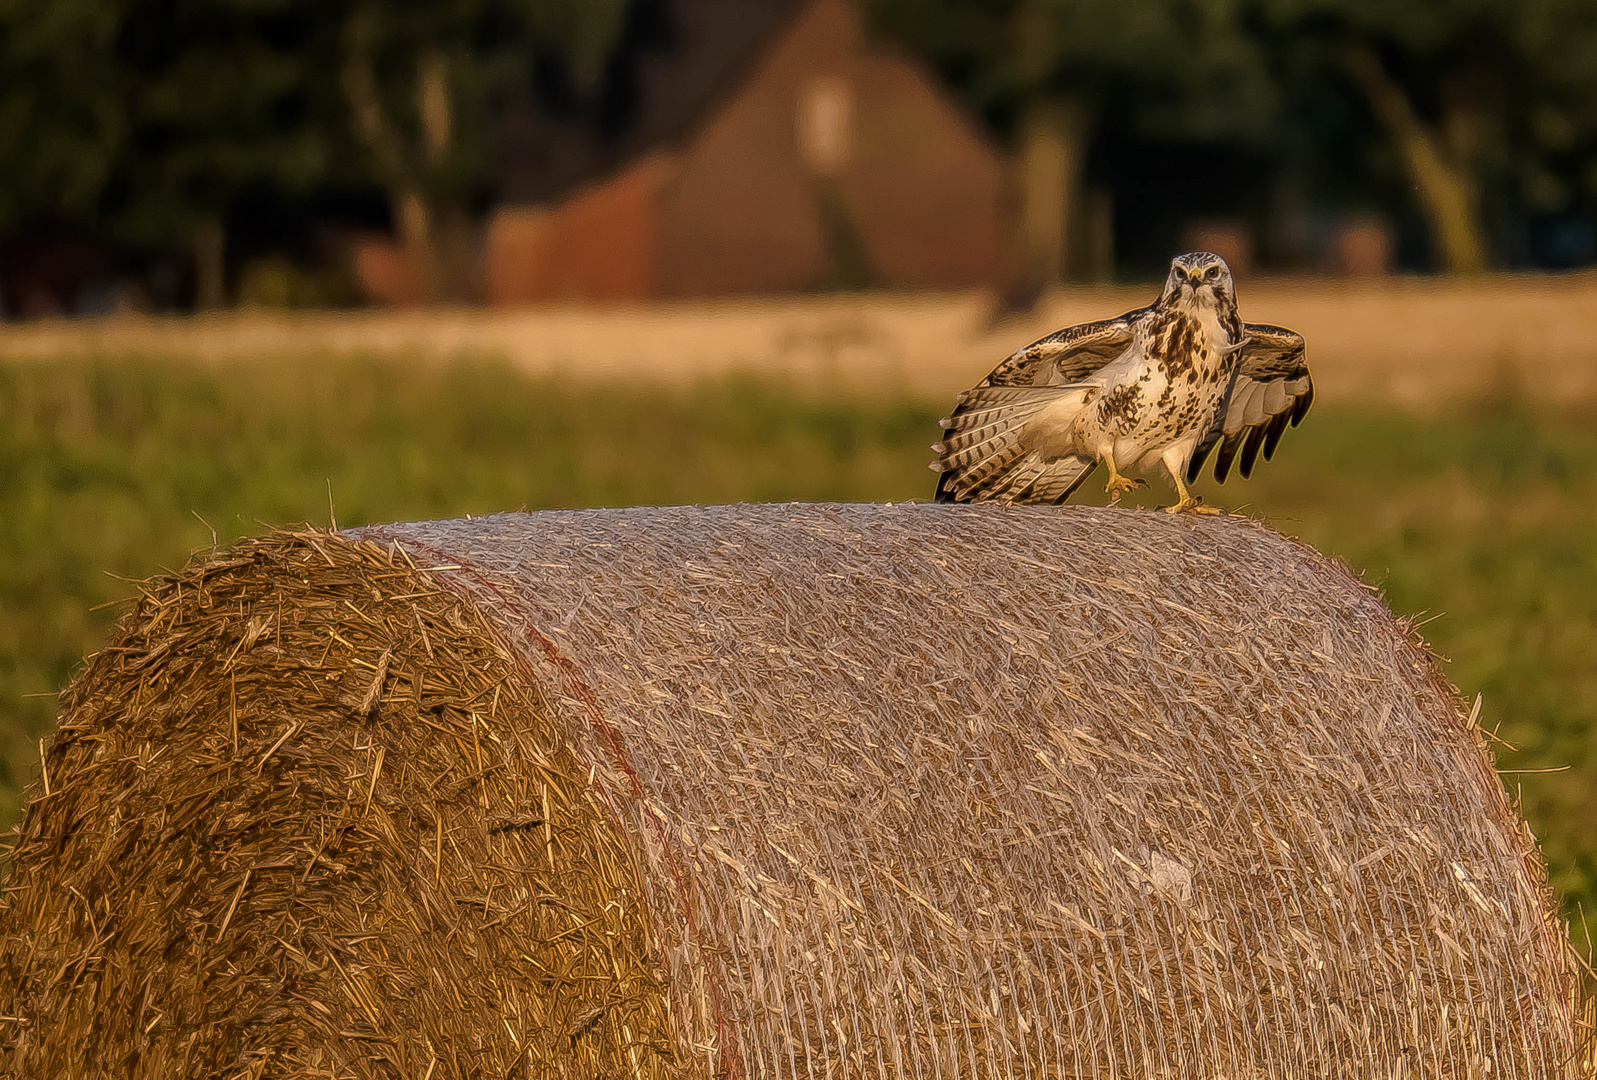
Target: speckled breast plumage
(1177,391)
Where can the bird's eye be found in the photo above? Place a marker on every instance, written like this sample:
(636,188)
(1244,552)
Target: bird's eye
(1214,272)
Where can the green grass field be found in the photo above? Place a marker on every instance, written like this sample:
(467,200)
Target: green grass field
(1480,520)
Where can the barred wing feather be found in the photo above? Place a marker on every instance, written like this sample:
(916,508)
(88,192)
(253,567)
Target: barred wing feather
(1270,390)
(997,445)
(1068,355)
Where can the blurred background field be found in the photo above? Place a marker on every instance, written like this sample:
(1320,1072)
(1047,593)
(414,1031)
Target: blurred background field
(1475,519)
(1414,341)
(182,155)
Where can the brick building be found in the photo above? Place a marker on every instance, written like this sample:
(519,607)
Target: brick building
(833,162)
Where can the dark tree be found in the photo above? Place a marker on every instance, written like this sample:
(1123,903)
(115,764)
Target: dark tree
(422,80)
(1047,71)
(1463,91)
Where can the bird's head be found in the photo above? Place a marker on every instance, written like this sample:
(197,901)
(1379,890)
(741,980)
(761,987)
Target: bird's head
(1198,277)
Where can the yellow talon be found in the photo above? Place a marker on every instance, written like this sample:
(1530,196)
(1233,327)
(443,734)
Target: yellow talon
(1192,504)
(1189,503)
(1118,485)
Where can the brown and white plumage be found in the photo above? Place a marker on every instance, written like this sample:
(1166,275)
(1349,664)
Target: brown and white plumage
(1273,390)
(1165,384)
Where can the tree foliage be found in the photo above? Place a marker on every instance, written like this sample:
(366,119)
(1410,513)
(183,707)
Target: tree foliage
(150,121)
(1471,97)
(62,127)
(1166,63)
(1471,100)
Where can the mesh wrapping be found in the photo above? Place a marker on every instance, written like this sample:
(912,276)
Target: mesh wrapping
(913,791)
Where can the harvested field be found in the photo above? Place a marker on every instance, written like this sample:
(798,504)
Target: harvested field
(1410,341)
(777,791)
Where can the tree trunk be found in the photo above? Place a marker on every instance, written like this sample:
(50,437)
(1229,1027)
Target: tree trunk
(1098,235)
(413,220)
(401,168)
(433,105)
(1053,153)
(210,264)
(1444,170)
(447,235)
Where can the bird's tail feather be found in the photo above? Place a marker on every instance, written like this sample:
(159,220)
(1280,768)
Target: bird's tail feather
(985,456)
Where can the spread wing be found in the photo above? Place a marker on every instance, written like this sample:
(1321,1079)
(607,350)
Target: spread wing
(1270,389)
(997,445)
(987,453)
(1068,355)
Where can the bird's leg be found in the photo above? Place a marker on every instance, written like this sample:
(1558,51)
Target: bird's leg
(1118,485)
(1190,503)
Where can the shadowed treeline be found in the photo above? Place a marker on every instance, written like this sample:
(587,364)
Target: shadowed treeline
(191,154)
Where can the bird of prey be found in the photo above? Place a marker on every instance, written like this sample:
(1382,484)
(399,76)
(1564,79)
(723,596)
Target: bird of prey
(1164,384)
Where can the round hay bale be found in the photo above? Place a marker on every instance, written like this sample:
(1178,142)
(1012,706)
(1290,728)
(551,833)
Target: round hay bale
(776,791)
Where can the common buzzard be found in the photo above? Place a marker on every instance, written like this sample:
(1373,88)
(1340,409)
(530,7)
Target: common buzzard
(1164,384)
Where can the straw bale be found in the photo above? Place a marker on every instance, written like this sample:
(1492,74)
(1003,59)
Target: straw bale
(776,791)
